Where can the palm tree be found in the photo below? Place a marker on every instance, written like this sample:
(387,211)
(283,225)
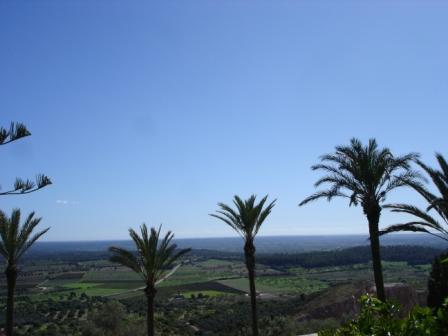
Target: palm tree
(364,175)
(424,221)
(15,240)
(246,220)
(154,262)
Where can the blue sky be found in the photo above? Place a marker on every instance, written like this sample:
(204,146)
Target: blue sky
(153,112)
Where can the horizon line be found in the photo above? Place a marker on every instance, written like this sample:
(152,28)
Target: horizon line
(233,237)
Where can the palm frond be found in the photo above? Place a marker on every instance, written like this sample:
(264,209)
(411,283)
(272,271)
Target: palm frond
(154,256)
(233,225)
(168,274)
(126,258)
(328,194)
(15,238)
(416,212)
(167,257)
(4,234)
(366,173)
(25,247)
(438,178)
(411,227)
(264,213)
(405,178)
(442,163)
(439,203)
(15,132)
(139,243)
(27,229)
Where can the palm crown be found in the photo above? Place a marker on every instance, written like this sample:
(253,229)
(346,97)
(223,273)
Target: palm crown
(248,216)
(154,258)
(424,221)
(16,239)
(362,173)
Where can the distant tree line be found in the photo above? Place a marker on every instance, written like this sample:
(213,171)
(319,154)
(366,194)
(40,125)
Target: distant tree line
(414,255)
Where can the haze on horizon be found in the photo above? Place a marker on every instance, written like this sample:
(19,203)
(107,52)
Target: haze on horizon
(154,112)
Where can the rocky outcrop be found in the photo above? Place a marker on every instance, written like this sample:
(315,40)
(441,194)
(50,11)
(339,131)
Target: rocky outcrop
(343,303)
(402,293)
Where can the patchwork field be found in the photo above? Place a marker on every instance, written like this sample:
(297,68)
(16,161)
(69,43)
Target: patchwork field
(110,275)
(213,277)
(278,285)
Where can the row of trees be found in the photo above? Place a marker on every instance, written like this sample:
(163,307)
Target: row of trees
(362,174)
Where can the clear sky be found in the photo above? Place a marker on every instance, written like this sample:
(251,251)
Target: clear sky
(155,111)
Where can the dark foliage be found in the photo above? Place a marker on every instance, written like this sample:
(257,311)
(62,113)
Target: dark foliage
(438,282)
(414,255)
(383,319)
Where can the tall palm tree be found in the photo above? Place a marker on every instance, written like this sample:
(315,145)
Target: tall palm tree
(154,262)
(364,175)
(246,220)
(424,221)
(15,240)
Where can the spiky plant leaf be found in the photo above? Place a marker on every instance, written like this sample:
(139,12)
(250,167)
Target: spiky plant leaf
(362,173)
(154,259)
(16,239)
(247,216)
(437,204)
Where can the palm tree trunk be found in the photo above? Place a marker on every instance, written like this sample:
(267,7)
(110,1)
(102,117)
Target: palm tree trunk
(150,295)
(374,218)
(11,278)
(249,251)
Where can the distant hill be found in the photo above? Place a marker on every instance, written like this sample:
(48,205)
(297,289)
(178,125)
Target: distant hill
(277,244)
(412,254)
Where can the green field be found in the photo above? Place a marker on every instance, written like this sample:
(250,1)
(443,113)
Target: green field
(416,275)
(219,263)
(110,275)
(278,285)
(203,277)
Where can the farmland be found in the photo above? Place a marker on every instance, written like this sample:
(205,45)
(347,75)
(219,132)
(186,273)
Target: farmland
(70,289)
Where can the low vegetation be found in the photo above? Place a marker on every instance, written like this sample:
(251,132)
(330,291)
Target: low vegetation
(383,319)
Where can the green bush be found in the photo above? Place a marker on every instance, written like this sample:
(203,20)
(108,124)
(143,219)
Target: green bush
(382,319)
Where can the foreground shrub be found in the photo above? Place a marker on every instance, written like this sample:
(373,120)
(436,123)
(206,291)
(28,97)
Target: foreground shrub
(111,319)
(438,282)
(382,319)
